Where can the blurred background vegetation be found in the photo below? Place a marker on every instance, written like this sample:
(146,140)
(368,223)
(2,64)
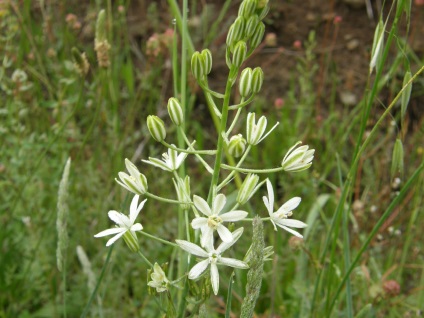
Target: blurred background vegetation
(317,85)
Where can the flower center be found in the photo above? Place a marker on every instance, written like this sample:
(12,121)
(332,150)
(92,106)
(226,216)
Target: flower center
(214,257)
(214,221)
(284,215)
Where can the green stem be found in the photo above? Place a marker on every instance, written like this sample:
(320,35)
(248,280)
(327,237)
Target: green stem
(152,196)
(227,167)
(192,152)
(158,239)
(228,178)
(144,258)
(64,286)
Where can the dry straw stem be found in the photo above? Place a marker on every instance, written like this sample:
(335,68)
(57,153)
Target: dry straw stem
(62,216)
(254,276)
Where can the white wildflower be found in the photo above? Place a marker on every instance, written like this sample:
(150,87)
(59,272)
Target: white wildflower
(159,279)
(171,161)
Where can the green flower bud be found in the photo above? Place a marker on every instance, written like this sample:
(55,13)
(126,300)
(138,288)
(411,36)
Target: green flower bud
(248,188)
(245,85)
(156,127)
(131,240)
(247,8)
(198,65)
(254,131)
(397,159)
(175,111)
(251,25)
(262,4)
(257,36)
(239,54)
(237,145)
(207,57)
(263,12)
(257,80)
(236,32)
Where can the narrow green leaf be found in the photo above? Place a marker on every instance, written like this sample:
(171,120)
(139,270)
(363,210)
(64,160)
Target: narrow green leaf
(406,94)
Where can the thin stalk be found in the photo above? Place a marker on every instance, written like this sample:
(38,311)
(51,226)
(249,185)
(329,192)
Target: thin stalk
(144,258)
(272,170)
(228,178)
(64,285)
(192,152)
(156,197)
(158,239)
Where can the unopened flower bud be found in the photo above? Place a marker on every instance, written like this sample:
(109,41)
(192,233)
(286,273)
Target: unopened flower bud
(198,65)
(247,8)
(207,58)
(175,111)
(80,62)
(257,36)
(159,279)
(156,127)
(245,85)
(237,145)
(248,188)
(236,32)
(298,159)
(182,188)
(251,25)
(257,79)
(263,11)
(255,131)
(262,4)
(239,54)
(136,182)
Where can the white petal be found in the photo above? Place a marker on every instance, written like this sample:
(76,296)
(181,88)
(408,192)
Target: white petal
(218,203)
(198,269)
(270,195)
(180,159)
(119,218)
(110,232)
(266,202)
(233,262)
(224,233)
(214,278)
(291,223)
(290,205)
(226,245)
(192,248)
(133,208)
(233,216)
(202,205)
(157,163)
(206,239)
(199,222)
(136,227)
(290,231)
(134,213)
(113,239)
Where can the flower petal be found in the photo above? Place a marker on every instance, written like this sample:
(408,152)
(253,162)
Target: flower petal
(290,205)
(202,205)
(157,163)
(110,232)
(198,269)
(295,233)
(113,239)
(134,213)
(206,239)
(136,227)
(226,245)
(232,262)
(192,248)
(198,222)
(218,203)
(224,233)
(119,218)
(233,216)
(291,223)
(214,278)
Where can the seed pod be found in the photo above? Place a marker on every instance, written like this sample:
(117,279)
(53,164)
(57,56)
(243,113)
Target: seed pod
(207,57)
(156,128)
(175,111)
(239,54)
(248,188)
(237,145)
(198,65)
(257,79)
(245,85)
(257,36)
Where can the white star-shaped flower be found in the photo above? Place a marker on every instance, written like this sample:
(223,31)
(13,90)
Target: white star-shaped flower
(159,279)
(213,220)
(212,258)
(123,222)
(171,160)
(281,216)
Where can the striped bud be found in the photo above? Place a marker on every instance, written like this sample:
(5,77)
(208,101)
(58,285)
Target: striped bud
(239,54)
(236,32)
(254,131)
(257,79)
(131,240)
(263,12)
(247,8)
(237,145)
(251,25)
(257,36)
(198,65)
(207,57)
(248,188)
(245,85)
(156,127)
(175,111)
(262,4)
